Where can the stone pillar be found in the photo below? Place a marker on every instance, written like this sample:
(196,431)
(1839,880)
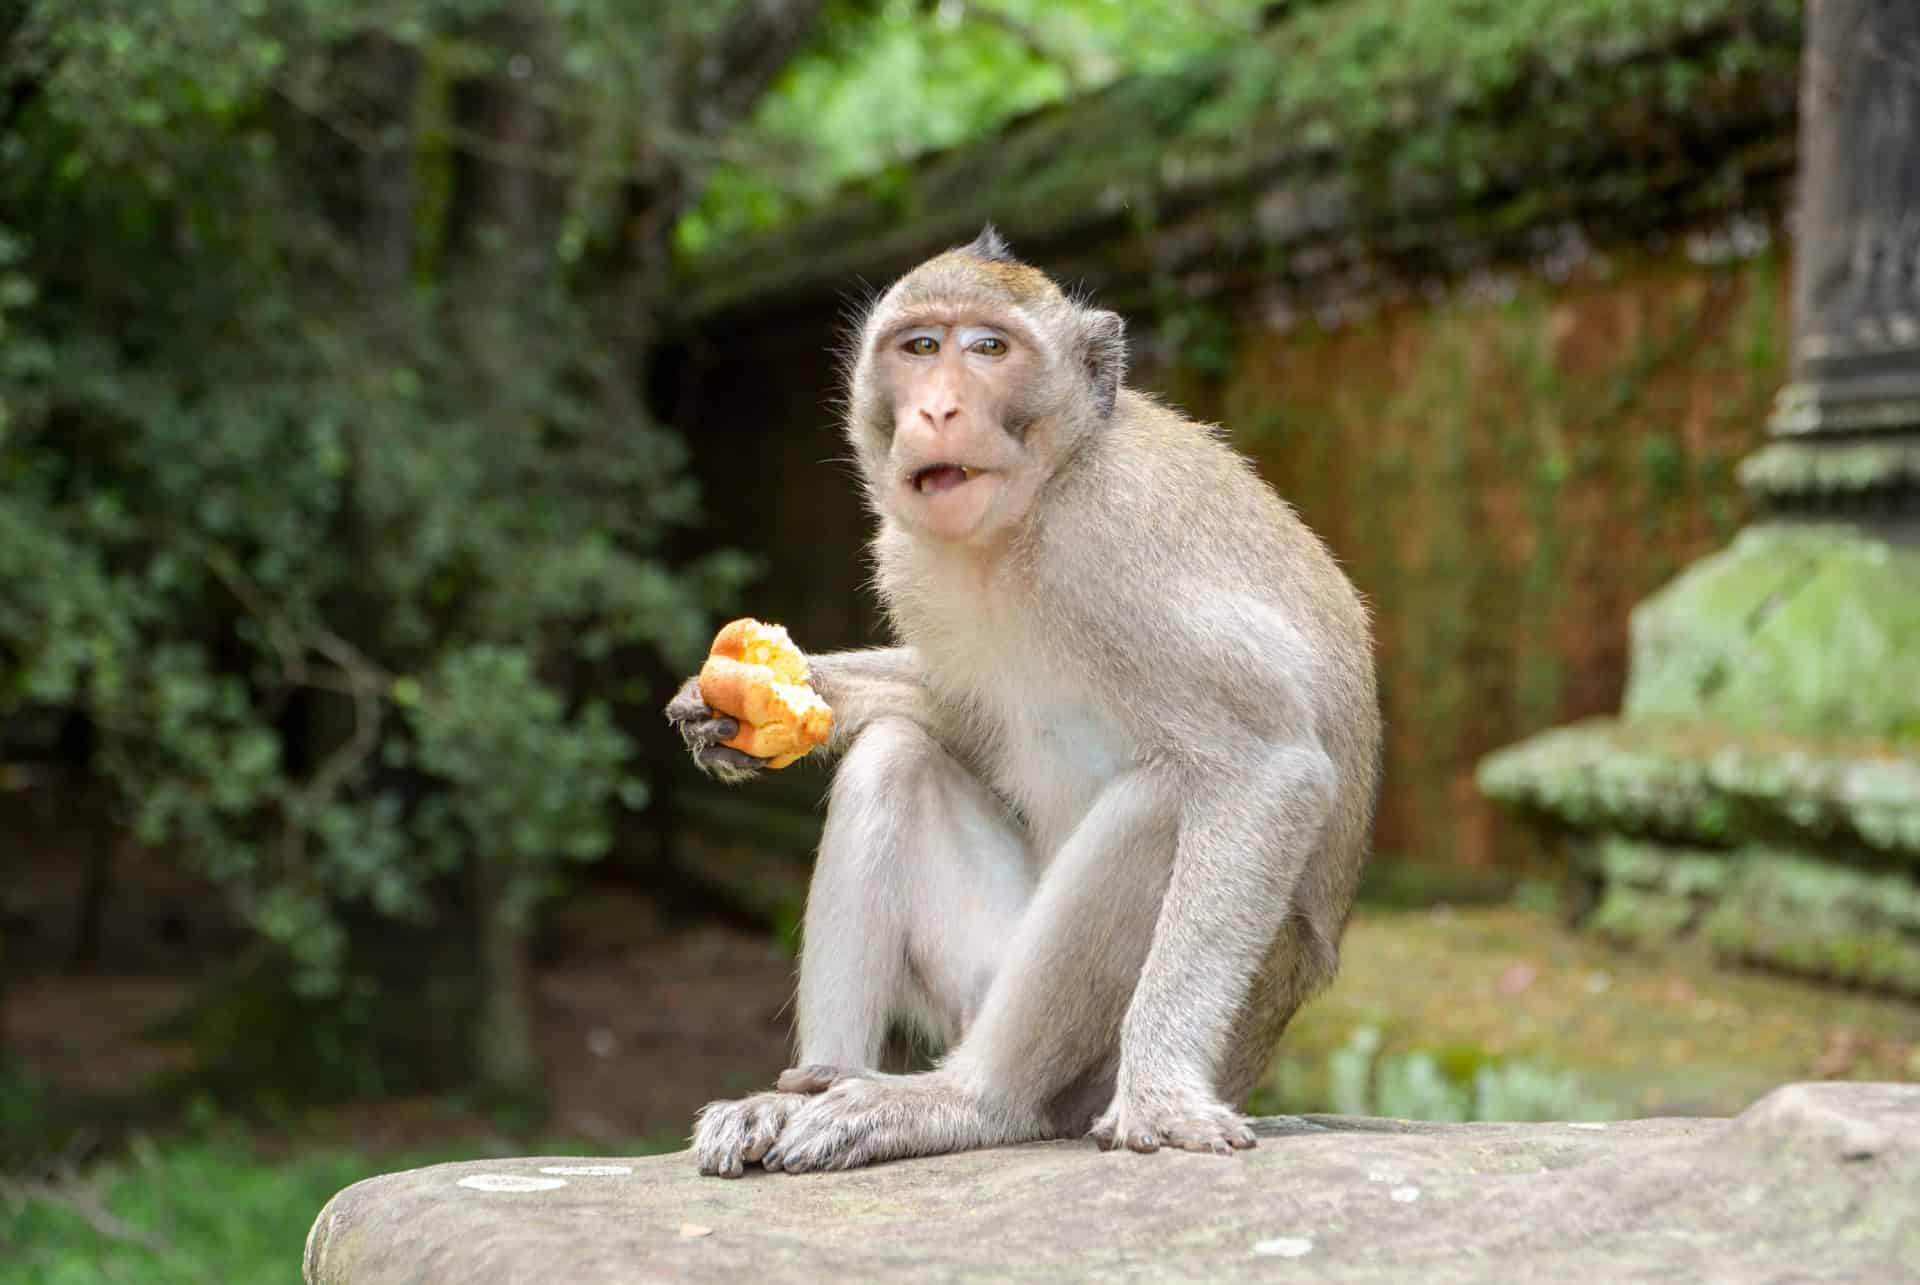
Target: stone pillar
(1846,434)
(1760,787)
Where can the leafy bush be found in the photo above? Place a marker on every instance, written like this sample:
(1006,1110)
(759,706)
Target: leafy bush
(325,494)
(1421,1085)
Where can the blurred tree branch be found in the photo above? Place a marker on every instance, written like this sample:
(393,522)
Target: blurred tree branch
(730,77)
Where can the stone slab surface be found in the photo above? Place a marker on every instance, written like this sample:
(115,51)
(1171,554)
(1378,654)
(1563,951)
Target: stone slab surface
(1815,1182)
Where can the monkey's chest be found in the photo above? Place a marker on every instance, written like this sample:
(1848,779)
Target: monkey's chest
(1054,757)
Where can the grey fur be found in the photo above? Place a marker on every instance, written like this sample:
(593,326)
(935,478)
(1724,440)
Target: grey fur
(1099,819)
(990,245)
(1104,351)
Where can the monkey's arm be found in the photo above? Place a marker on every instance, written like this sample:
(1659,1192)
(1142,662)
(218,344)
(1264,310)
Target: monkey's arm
(876,682)
(860,686)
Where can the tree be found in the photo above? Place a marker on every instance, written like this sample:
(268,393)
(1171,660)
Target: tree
(328,498)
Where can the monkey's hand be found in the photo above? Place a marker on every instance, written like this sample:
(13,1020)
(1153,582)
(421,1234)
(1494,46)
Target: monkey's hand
(816,1077)
(1189,1121)
(703,728)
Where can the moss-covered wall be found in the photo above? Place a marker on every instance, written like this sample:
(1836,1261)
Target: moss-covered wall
(1505,477)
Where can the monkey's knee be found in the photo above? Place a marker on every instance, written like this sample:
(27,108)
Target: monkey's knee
(889,761)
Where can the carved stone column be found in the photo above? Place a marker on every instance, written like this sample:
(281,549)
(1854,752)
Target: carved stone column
(1760,787)
(1847,429)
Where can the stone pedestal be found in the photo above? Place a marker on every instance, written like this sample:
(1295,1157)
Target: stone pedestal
(1760,788)
(1813,1182)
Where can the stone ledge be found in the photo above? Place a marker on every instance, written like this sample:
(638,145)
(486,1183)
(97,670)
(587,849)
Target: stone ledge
(1813,1182)
(1698,783)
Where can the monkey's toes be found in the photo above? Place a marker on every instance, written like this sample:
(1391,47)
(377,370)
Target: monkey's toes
(1220,1132)
(1203,1128)
(860,1120)
(729,1136)
(813,1147)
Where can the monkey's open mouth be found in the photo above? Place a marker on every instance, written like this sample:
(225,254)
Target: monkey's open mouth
(937,478)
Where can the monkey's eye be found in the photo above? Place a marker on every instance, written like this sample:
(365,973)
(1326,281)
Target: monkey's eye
(922,345)
(991,346)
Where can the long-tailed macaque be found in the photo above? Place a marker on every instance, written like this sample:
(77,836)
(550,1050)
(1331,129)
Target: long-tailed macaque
(1099,815)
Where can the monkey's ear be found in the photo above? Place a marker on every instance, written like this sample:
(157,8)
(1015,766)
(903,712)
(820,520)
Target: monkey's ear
(1104,351)
(991,246)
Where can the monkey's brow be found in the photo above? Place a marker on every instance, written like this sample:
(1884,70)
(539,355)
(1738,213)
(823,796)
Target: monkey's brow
(953,319)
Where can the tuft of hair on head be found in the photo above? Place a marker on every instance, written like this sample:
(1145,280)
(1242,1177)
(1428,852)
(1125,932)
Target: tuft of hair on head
(991,246)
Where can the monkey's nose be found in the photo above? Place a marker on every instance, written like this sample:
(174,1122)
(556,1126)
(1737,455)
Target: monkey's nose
(938,418)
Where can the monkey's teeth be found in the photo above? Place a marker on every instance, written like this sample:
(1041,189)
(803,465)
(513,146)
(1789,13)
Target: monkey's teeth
(942,477)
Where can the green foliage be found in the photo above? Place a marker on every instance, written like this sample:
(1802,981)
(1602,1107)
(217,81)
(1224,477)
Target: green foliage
(1442,54)
(327,555)
(23,1117)
(207,1208)
(1452,1084)
(887,83)
(1428,86)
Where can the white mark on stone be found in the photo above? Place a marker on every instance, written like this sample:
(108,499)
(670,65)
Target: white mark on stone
(588,1171)
(1584,1124)
(1284,1247)
(694,1231)
(510,1182)
(1405,1195)
(1382,1175)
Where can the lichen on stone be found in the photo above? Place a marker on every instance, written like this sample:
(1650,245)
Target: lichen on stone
(1787,469)
(1706,785)
(1796,912)
(1810,630)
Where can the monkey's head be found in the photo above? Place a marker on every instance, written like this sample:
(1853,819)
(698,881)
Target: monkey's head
(973,378)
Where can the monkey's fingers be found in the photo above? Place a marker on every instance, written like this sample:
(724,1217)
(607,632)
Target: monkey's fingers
(687,706)
(724,760)
(704,731)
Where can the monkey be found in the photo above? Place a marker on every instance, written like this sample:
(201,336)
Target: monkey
(1099,812)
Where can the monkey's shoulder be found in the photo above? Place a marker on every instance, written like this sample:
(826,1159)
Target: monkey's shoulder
(1160,496)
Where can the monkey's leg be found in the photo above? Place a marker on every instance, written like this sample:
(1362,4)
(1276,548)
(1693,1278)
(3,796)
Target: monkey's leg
(920,880)
(1245,839)
(1047,1034)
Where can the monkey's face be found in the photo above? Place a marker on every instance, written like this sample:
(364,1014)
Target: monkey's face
(975,376)
(957,390)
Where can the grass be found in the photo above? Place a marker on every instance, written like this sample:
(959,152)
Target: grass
(224,1207)
(186,1211)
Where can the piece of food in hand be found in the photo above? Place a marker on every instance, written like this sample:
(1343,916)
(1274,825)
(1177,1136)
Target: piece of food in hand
(756,675)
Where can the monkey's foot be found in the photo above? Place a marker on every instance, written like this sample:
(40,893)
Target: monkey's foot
(860,1121)
(1191,1124)
(729,1136)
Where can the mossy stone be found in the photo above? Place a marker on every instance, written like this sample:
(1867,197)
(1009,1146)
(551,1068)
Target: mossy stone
(1808,629)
